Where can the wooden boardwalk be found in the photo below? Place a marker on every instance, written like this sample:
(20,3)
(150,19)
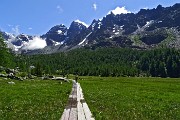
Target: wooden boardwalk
(77,108)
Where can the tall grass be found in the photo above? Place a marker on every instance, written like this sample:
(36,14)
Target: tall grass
(33,100)
(132,98)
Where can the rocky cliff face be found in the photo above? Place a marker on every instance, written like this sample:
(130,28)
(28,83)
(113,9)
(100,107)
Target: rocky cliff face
(56,34)
(149,28)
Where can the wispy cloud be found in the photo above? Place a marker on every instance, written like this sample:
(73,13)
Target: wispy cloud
(15,29)
(9,25)
(95,6)
(29,28)
(59,9)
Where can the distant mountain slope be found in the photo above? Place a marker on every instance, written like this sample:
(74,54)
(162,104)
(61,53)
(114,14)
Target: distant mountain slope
(149,28)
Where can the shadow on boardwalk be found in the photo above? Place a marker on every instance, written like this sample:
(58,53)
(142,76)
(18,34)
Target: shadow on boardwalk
(77,108)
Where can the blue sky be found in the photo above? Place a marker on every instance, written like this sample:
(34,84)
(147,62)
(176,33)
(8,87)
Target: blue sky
(36,17)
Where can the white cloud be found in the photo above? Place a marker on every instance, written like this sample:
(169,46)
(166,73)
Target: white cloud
(16,29)
(119,10)
(59,8)
(30,28)
(36,43)
(95,6)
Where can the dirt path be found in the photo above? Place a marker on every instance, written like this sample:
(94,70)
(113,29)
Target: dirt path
(77,108)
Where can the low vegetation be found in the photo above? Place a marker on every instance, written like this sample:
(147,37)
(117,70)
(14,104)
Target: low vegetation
(132,98)
(33,99)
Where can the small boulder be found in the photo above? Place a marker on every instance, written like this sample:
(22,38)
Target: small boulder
(12,83)
(3,75)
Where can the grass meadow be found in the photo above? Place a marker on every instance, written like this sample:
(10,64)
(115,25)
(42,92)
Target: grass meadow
(132,98)
(33,99)
(108,98)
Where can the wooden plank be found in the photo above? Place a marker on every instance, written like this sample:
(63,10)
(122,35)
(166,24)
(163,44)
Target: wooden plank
(73,112)
(87,112)
(81,94)
(77,108)
(81,115)
(67,111)
(65,115)
(78,93)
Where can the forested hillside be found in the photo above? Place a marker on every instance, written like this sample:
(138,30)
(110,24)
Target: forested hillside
(106,62)
(162,62)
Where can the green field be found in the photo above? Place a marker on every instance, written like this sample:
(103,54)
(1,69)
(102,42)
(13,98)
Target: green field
(132,98)
(108,98)
(33,99)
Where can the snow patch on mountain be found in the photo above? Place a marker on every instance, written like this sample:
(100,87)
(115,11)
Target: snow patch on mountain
(62,42)
(78,21)
(85,39)
(12,36)
(93,25)
(99,25)
(58,43)
(148,23)
(59,31)
(121,27)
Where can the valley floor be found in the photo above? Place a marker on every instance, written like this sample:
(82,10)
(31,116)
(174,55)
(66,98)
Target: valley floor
(132,98)
(109,98)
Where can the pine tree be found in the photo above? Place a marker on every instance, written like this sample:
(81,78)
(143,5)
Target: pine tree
(162,70)
(38,69)
(6,58)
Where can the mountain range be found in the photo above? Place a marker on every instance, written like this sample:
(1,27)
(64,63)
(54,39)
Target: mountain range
(147,29)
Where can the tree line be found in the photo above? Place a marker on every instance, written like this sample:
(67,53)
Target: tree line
(106,62)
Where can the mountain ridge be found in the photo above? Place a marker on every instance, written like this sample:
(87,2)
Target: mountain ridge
(149,28)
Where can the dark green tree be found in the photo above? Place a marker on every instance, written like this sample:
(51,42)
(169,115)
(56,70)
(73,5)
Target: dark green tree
(38,69)
(6,57)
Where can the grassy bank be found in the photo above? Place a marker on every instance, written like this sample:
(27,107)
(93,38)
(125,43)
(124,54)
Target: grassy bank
(33,100)
(132,98)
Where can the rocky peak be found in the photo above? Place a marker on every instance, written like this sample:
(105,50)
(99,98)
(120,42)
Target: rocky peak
(115,30)
(95,25)
(58,29)
(18,41)
(24,37)
(55,34)
(176,6)
(159,7)
(75,29)
(7,36)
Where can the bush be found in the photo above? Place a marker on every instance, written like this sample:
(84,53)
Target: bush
(22,74)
